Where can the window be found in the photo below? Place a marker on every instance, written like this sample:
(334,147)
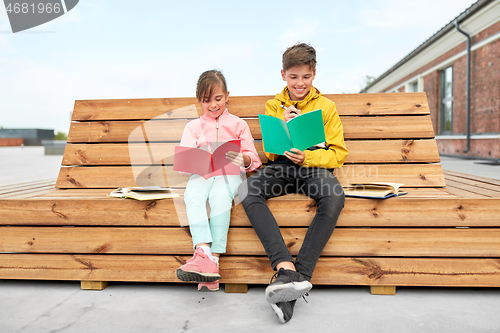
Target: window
(414,86)
(446,105)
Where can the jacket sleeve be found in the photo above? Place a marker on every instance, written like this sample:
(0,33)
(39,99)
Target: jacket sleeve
(336,152)
(248,148)
(188,139)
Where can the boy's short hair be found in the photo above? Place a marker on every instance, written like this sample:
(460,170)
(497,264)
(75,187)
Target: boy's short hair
(298,55)
(208,82)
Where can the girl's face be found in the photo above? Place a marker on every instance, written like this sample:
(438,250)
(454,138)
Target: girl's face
(216,104)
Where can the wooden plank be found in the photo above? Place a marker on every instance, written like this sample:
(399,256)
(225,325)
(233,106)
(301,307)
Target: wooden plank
(481,187)
(393,127)
(383,290)
(381,103)
(243,106)
(93,285)
(127,131)
(437,272)
(360,151)
(450,242)
(473,189)
(289,211)
(236,288)
(392,151)
(33,191)
(123,154)
(27,184)
(462,193)
(385,127)
(28,194)
(412,175)
(485,180)
(102,194)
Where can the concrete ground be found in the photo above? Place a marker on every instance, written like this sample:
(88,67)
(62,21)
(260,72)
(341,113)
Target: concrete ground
(60,306)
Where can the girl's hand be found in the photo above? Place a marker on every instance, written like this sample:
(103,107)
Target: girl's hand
(238,159)
(296,156)
(291,112)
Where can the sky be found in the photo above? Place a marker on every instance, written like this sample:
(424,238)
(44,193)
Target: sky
(107,49)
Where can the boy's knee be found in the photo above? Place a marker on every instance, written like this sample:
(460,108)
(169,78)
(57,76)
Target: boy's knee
(247,189)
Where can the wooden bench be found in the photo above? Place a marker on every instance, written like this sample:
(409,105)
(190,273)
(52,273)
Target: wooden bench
(444,232)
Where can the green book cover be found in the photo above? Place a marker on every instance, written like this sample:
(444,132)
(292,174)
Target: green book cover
(300,132)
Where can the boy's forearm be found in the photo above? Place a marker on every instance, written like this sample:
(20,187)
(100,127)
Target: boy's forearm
(326,158)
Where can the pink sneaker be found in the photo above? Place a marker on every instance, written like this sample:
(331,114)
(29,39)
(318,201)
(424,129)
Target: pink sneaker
(211,286)
(199,268)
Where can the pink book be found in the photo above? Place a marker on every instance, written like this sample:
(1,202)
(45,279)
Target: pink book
(201,162)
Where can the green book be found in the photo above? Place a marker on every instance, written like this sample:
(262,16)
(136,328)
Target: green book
(300,132)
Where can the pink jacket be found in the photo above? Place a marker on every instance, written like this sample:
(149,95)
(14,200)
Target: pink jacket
(208,133)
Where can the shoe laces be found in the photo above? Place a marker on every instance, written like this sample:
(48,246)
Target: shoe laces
(283,271)
(273,277)
(276,275)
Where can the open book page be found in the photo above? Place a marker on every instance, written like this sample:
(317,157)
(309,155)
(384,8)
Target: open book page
(394,186)
(201,162)
(144,193)
(300,132)
(379,190)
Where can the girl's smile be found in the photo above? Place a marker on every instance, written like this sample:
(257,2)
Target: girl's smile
(216,104)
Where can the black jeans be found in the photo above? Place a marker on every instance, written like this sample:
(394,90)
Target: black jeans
(280,179)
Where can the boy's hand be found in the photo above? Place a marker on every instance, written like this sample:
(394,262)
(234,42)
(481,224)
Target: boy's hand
(238,159)
(291,112)
(296,156)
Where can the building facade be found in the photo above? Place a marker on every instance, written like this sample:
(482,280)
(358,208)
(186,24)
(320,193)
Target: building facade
(439,67)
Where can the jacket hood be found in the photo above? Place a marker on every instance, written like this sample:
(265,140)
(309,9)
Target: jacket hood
(284,97)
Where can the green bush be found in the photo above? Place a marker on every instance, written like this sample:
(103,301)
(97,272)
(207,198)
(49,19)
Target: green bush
(60,136)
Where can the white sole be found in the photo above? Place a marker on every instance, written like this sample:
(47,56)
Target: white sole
(279,313)
(287,292)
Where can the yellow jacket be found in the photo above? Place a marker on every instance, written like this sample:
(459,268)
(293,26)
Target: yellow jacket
(336,152)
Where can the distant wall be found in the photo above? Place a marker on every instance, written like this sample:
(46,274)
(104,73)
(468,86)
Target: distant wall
(9,142)
(30,136)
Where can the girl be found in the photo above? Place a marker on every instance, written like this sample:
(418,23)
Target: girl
(213,128)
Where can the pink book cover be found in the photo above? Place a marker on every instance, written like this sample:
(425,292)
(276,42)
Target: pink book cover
(201,162)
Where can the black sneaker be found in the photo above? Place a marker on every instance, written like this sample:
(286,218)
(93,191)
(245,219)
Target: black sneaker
(284,310)
(287,286)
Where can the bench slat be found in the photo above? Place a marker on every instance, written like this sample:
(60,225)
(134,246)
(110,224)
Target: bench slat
(243,106)
(386,127)
(479,179)
(412,175)
(461,272)
(360,151)
(102,194)
(476,186)
(397,212)
(243,241)
(473,189)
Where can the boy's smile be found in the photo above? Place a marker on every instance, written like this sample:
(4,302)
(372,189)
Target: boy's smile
(299,81)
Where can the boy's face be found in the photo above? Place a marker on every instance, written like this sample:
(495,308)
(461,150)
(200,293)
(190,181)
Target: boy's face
(216,104)
(299,81)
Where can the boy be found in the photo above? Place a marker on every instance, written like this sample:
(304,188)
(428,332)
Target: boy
(308,172)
